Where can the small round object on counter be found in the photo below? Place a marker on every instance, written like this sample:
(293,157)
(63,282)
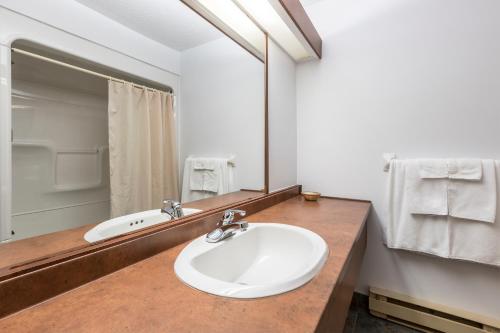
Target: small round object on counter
(311,196)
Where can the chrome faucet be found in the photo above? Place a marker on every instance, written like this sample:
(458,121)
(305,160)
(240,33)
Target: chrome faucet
(172,208)
(228,217)
(227,227)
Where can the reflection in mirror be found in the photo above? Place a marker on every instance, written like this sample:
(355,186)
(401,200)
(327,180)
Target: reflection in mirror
(98,152)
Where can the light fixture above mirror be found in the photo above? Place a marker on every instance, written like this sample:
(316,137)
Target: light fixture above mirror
(285,21)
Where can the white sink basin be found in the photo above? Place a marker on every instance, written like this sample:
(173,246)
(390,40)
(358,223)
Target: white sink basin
(127,223)
(266,259)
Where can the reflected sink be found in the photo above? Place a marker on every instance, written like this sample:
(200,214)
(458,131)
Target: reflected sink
(127,223)
(266,259)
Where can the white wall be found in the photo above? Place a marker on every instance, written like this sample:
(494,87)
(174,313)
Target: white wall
(222,103)
(420,78)
(282,119)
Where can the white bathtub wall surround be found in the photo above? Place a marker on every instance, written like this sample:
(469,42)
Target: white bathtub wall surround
(222,103)
(282,119)
(5,144)
(59,157)
(444,235)
(416,77)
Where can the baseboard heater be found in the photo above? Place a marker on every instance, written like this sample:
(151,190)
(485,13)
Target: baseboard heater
(426,316)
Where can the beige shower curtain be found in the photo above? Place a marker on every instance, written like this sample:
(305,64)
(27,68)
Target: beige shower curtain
(142,148)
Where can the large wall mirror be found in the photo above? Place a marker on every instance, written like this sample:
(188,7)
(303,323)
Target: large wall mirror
(95,150)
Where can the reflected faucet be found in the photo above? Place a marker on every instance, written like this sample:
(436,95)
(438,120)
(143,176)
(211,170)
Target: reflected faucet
(227,226)
(172,208)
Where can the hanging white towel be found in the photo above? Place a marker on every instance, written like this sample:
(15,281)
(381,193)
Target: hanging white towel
(196,180)
(203,183)
(432,168)
(479,242)
(203,163)
(205,174)
(427,185)
(474,200)
(466,169)
(469,169)
(443,236)
(445,184)
(404,230)
(211,178)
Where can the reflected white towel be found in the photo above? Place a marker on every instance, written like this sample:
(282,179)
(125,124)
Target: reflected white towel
(196,180)
(474,200)
(205,174)
(203,163)
(210,187)
(427,185)
(211,179)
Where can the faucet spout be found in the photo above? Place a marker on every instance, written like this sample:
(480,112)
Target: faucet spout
(225,231)
(227,227)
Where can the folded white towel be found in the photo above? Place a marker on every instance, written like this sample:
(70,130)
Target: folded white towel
(427,185)
(196,180)
(444,236)
(467,169)
(204,163)
(205,174)
(433,168)
(211,180)
(470,198)
(201,184)
(474,200)
(404,230)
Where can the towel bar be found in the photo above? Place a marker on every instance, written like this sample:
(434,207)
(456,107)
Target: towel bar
(388,157)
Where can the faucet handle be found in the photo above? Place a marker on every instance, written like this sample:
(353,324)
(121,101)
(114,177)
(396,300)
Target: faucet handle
(170,202)
(172,208)
(229,215)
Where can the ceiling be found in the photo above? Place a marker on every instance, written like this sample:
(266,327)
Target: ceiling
(168,22)
(308,2)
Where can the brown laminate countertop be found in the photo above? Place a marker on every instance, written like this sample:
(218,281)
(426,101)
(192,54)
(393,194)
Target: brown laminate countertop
(148,297)
(35,248)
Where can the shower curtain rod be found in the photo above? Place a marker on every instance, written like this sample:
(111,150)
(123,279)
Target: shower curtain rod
(80,69)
